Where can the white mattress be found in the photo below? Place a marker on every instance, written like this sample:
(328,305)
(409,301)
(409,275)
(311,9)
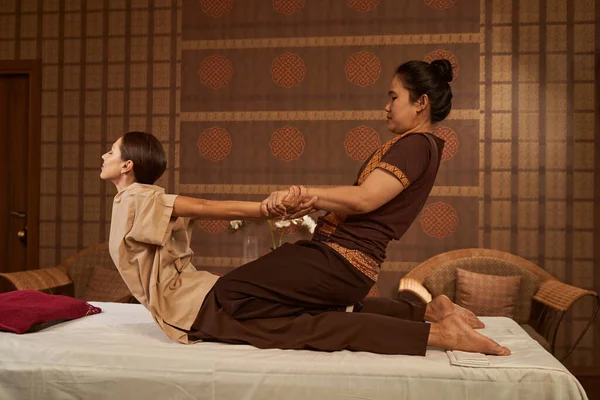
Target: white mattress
(122,354)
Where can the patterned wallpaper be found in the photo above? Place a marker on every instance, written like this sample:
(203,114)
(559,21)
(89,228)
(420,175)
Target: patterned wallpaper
(249,96)
(282,92)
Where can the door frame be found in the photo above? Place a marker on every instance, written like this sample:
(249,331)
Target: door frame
(597,182)
(33,69)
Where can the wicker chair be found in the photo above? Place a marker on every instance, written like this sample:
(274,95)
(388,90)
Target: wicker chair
(542,300)
(89,275)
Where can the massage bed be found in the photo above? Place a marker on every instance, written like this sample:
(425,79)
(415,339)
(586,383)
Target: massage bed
(122,354)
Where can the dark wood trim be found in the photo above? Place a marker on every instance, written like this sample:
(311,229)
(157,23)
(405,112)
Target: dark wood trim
(32,68)
(104,115)
(19,67)
(35,150)
(487,134)
(82,97)
(570,159)
(514,145)
(541,258)
(597,180)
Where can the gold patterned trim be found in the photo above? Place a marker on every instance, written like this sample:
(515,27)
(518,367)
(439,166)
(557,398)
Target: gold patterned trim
(358,259)
(376,159)
(327,225)
(331,115)
(331,41)
(397,172)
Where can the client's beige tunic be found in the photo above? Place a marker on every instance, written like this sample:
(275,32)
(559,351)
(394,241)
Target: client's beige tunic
(151,250)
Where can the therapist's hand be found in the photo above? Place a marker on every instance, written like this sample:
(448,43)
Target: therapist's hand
(288,203)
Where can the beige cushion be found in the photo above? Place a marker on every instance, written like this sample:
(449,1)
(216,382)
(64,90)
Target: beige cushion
(442,280)
(106,285)
(487,295)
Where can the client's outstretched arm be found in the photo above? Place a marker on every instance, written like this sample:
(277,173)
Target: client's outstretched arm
(230,209)
(216,209)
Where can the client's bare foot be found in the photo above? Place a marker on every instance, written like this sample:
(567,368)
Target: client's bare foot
(454,334)
(441,307)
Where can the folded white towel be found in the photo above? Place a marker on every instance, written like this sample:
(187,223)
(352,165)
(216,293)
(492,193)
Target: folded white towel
(467,359)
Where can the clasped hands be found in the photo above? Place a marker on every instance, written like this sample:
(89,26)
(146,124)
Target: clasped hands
(289,204)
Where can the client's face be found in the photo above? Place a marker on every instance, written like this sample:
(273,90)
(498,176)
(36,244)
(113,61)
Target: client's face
(401,112)
(112,163)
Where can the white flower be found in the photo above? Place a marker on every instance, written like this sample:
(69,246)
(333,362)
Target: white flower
(282,224)
(236,224)
(309,223)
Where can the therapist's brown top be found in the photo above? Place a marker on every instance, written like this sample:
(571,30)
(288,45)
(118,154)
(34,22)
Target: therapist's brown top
(151,250)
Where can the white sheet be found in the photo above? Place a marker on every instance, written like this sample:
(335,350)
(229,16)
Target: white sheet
(122,354)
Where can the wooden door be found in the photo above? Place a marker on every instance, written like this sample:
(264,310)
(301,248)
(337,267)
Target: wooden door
(19,165)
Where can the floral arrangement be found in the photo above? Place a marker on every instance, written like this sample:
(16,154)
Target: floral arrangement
(280,228)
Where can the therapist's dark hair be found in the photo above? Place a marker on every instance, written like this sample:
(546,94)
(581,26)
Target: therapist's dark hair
(432,79)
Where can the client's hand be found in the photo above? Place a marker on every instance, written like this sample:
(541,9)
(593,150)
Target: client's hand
(273,206)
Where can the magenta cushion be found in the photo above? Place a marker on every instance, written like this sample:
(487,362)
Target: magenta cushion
(20,310)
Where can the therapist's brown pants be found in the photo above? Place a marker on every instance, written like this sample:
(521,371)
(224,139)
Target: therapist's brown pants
(295,298)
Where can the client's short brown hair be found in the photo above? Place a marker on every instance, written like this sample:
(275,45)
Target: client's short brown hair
(148,156)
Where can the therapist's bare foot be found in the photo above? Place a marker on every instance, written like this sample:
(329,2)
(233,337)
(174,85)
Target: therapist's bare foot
(454,334)
(441,307)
